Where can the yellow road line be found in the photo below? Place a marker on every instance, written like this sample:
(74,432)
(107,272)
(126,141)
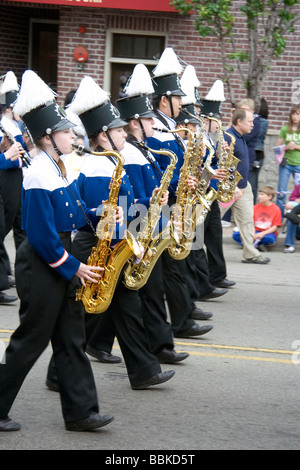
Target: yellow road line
(247,358)
(220,346)
(237,348)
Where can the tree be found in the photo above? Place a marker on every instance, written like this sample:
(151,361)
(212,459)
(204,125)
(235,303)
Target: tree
(267,23)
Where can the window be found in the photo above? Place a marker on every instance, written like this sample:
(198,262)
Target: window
(123,52)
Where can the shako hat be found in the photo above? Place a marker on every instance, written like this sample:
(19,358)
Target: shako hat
(38,108)
(94,108)
(136,103)
(9,90)
(165,77)
(211,104)
(189,82)
(188,114)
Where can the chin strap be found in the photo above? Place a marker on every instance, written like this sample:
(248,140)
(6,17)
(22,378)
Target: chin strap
(59,153)
(143,130)
(111,141)
(171,106)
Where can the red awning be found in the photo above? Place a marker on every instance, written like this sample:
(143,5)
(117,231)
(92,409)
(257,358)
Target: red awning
(148,5)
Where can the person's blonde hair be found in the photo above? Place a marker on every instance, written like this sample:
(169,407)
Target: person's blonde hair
(247,102)
(269,190)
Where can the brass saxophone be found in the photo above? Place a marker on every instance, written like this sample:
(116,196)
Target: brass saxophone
(227,185)
(229,162)
(136,275)
(96,297)
(188,207)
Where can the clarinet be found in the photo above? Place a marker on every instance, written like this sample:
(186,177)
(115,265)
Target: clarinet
(25,158)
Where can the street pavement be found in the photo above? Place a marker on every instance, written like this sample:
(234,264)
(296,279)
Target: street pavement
(238,390)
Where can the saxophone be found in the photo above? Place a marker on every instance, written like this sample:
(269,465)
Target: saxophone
(188,207)
(227,186)
(96,297)
(136,275)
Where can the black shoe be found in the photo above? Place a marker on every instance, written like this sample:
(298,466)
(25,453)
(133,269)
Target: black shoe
(7,425)
(198,314)
(169,356)
(157,379)
(12,282)
(91,422)
(195,330)
(103,356)
(224,283)
(6,299)
(213,294)
(52,386)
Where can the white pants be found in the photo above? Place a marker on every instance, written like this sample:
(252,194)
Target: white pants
(242,211)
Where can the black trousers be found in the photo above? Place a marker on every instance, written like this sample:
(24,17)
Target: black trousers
(48,313)
(177,292)
(154,316)
(4,268)
(10,191)
(213,240)
(198,274)
(154,312)
(122,319)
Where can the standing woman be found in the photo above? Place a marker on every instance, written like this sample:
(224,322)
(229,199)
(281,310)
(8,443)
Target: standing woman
(47,274)
(290,136)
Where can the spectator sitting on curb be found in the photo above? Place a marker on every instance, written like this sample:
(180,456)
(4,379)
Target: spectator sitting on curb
(267,219)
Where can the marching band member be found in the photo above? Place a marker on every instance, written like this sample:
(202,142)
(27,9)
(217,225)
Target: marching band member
(145,176)
(104,128)
(8,154)
(167,100)
(12,175)
(47,274)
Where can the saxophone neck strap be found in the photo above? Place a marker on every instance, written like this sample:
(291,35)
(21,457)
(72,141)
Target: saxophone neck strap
(176,136)
(145,152)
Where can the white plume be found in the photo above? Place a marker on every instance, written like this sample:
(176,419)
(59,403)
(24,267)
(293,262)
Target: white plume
(216,93)
(140,82)
(188,83)
(10,83)
(88,96)
(168,64)
(72,117)
(33,93)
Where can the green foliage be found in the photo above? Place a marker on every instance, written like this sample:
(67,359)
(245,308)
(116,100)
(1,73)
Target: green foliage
(267,21)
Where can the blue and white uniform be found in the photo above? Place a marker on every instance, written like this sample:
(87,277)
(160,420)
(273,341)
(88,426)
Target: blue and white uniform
(167,141)
(93,182)
(48,208)
(143,177)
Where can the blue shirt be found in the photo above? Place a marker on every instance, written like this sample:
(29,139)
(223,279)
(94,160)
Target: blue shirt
(242,153)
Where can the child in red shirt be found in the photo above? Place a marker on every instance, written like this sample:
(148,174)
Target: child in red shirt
(267,218)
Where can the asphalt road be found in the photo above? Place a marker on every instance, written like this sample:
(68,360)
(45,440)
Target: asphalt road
(239,389)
